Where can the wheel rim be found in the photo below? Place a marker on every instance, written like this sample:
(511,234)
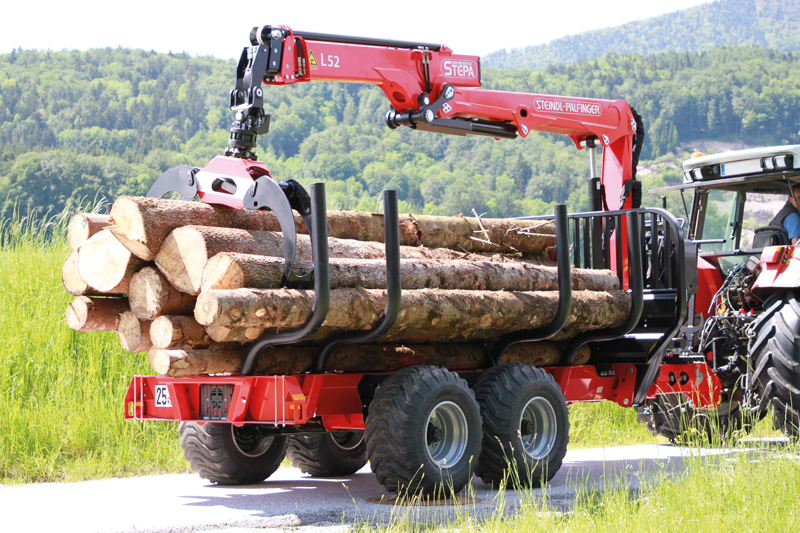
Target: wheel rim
(347,440)
(446,434)
(538,427)
(250,441)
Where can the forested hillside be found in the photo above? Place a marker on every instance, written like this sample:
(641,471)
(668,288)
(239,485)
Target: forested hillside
(108,122)
(764,23)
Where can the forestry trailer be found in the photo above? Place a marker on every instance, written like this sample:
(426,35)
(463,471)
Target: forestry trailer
(705,325)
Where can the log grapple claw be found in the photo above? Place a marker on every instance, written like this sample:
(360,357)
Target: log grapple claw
(281,198)
(178,179)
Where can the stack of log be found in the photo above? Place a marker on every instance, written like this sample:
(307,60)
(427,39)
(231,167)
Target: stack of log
(193,284)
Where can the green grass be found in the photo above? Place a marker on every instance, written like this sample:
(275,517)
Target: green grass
(61,408)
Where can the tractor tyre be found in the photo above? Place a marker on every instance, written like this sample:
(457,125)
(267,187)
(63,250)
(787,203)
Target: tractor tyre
(674,417)
(424,432)
(525,425)
(775,355)
(340,453)
(230,455)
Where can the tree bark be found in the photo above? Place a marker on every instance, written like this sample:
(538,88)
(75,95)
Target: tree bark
(224,334)
(134,334)
(182,333)
(142,224)
(287,360)
(95,314)
(226,271)
(186,250)
(151,296)
(85,225)
(427,315)
(105,265)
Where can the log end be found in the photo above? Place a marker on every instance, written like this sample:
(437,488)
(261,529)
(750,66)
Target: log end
(222,272)
(148,292)
(71,277)
(134,334)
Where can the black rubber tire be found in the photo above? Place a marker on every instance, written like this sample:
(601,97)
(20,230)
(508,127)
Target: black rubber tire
(513,398)
(674,417)
(403,435)
(775,354)
(227,455)
(328,454)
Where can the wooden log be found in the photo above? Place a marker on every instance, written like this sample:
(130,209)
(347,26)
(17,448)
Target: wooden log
(71,277)
(151,296)
(182,333)
(287,360)
(224,334)
(134,334)
(427,315)
(105,265)
(85,225)
(95,314)
(226,271)
(142,224)
(186,250)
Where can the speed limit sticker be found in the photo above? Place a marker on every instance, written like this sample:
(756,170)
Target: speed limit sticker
(162,396)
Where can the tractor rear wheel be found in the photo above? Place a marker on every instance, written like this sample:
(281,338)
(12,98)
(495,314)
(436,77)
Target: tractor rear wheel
(340,453)
(674,417)
(775,354)
(230,455)
(424,432)
(525,425)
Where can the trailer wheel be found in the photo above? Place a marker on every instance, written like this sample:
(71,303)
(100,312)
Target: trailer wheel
(775,353)
(674,417)
(230,455)
(525,425)
(340,453)
(423,432)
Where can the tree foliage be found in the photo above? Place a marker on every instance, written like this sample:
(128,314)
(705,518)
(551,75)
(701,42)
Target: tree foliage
(108,122)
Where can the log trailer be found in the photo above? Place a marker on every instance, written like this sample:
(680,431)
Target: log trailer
(424,428)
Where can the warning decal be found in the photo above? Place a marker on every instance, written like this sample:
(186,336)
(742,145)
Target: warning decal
(312,60)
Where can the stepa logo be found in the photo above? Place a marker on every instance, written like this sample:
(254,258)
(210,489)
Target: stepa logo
(459,69)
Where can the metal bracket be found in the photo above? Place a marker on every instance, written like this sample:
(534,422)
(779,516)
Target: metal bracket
(322,287)
(281,198)
(178,179)
(391,227)
(564,295)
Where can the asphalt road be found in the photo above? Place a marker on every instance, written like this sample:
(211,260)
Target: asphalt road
(290,500)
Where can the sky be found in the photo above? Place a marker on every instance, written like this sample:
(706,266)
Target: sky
(221,29)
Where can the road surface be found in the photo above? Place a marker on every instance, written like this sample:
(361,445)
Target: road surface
(290,500)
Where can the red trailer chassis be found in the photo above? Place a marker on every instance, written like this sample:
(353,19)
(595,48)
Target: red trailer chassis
(335,400)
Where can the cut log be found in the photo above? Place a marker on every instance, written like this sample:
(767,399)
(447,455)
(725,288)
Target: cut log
(134,334)
(427,315)
(142,224)
(105,265)
(95,314)
(71,277)
(186,250)
(287,360)
(85,225)
(455,232)
(151,296)
(182,333)
(227,271)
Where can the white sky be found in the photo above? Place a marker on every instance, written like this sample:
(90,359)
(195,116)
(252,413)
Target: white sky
(221,28)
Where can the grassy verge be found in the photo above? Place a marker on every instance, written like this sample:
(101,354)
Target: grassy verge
(752,490)
(61,391)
